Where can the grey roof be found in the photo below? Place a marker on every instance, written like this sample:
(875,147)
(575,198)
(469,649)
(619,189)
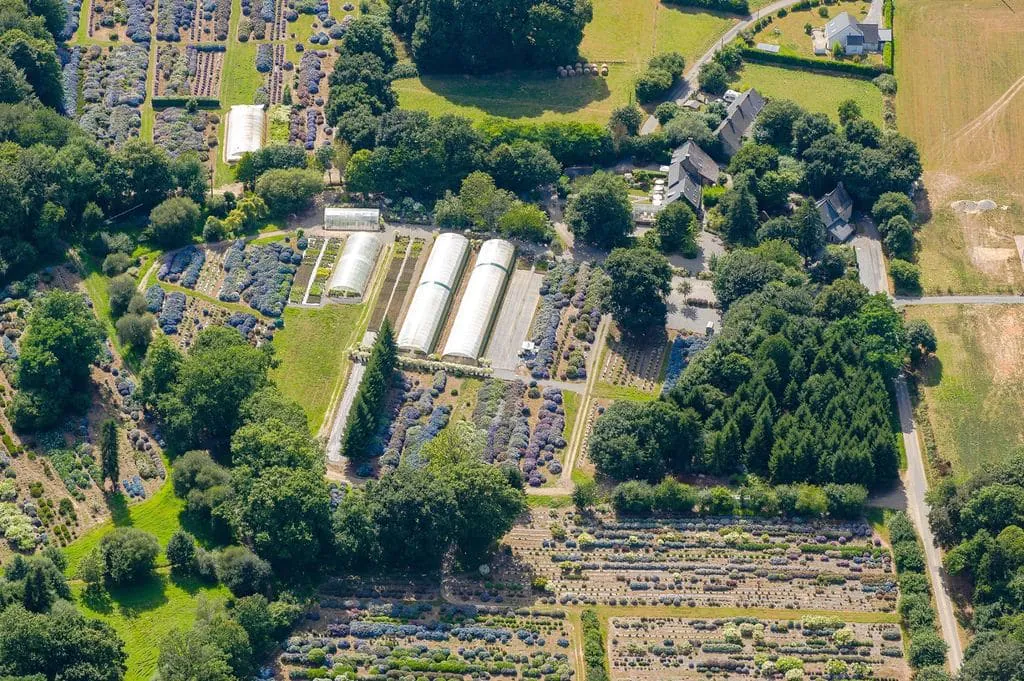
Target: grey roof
(836,207)
(682,184)
(696,161)
(870,32)
(838,24)
(740,114)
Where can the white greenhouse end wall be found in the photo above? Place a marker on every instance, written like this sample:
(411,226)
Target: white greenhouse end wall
(351,219)
(480,301)
(433,294)
(355,265)
(245,131)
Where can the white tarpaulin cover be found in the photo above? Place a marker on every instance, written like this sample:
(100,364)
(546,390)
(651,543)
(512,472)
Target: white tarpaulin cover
(355,264)
(433,294)
(245,131)
(480,301)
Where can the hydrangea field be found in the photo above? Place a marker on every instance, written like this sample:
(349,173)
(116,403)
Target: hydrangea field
(654,648)
(183,267)
(113,85)
(74,9)
(700,562)
(416,420)
(20,526)
(363,639)
(260,275)
(556,292)
(109,16)
(682,352)
(154,298)
(172,312)
(173,17)
(179,132)
(71,63)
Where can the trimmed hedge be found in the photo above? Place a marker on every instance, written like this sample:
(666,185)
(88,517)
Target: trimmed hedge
(593,647)
(731,6)
(168,101)
(844,68)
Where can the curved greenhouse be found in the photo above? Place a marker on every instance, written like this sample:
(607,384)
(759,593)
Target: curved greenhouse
(355,265)
(433,294)
(480,302)
(245,131)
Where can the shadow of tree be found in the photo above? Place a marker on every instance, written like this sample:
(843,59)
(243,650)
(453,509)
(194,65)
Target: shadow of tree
(98,600)
(134,599)
(189,583)
(117,504)
(930,370)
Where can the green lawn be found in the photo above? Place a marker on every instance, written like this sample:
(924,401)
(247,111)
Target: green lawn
(623,33)
(623,392)
(571,403)
(143,614)
(814,91)
(313,349)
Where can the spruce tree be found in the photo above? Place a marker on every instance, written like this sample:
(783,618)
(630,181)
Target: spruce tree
(38,597)
(365,416)
(109,449)
(810,230)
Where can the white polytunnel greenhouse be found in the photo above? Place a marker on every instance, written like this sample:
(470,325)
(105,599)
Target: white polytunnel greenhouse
(355,265)
(245,131)
(351,219)
(480,301)
(433,294)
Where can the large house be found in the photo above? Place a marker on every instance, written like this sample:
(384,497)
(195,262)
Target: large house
(690,170)
(739,116)
(856,37)
(836,209)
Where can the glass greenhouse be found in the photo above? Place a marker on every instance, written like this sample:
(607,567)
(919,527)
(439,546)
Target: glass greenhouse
(355,265)
(351,219)
(433,294)
(480,301)
(245,131)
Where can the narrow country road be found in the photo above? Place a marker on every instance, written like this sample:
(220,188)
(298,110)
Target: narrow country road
(917,508)
(871,263)
(960,300)
(689,80)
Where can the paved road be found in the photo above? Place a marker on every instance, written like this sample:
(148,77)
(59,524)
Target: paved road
(355,377)
(961,300)
(917,507)
(871,264)
(689,80)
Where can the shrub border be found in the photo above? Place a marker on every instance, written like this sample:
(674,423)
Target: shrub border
(790,61)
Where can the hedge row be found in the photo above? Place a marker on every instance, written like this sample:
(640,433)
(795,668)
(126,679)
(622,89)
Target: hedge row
(845,68)
(731,6)
(593,647)
(210,47)
(927,649)
(163,102)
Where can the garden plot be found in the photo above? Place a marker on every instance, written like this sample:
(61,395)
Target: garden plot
(681,352)
(305,271)
(270,61)
(179,131)
(183,267)
(383,637)
(634,364)
(566,320)
(705,562)
(655,648)
(404,265)
(259,275)
(124,20)
(307,125)
(191,20)
(189,71)
(323,273)
(113,87)
(183,317)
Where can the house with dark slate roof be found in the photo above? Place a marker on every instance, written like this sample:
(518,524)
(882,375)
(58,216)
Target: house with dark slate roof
(738,119)
(690,170)
(836,210)
(858,37)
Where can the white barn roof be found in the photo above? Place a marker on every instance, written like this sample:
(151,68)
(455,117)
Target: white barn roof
(245,131)
(433,294)
(355,264)
(480,301)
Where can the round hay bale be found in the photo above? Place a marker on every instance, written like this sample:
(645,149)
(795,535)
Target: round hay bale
(604,70)
(561,72)
(579,65)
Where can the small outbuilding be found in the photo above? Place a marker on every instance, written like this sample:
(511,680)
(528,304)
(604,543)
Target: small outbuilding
(352,219)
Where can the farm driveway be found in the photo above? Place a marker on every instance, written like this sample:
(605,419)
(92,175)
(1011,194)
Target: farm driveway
(683,317)
(917,507)
(870,263)
(514,317)
(341,414)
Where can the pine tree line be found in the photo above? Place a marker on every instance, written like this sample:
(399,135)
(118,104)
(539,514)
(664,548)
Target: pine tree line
(366,417)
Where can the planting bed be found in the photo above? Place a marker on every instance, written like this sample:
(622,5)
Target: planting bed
(681,352)
(260,275)
(180,132)
(305,271)
(387,639)
(706,562)
(630,364)
(655,648)
(307,125)
(192,70)
(566,320)
(183,267)
(270,60)
(323,273)
(121,20)
(404,262)
(113,86)
(199,314)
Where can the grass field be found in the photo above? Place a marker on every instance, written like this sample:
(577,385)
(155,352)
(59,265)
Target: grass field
(623,33)
(813,91)
(313,347)
(959,67)
(974,390)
